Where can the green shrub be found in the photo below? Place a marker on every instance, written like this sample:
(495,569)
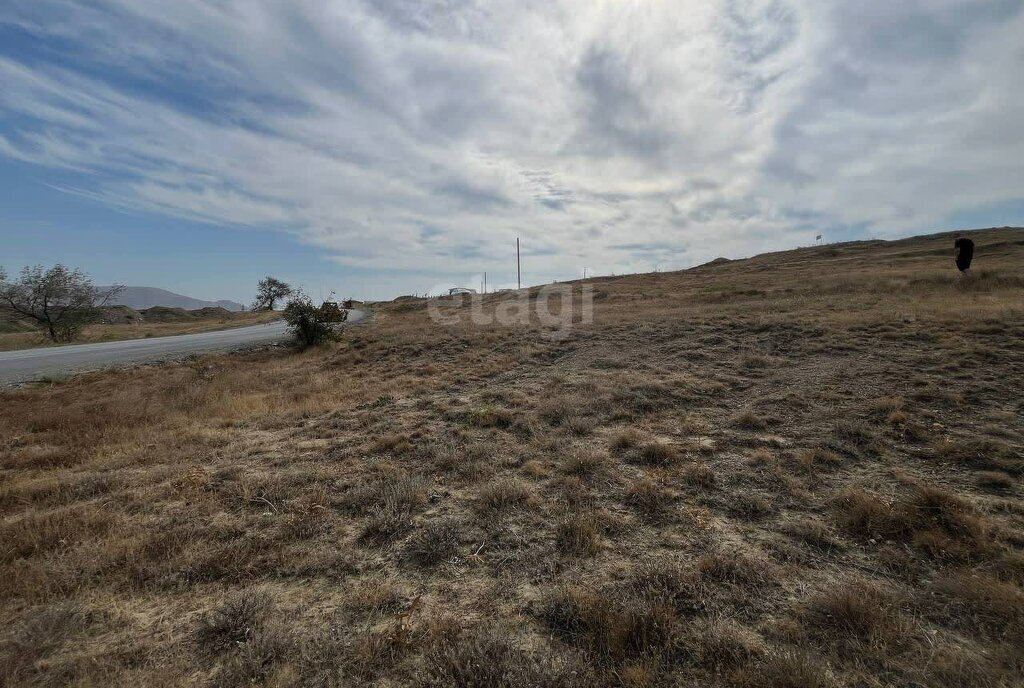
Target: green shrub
(306,322)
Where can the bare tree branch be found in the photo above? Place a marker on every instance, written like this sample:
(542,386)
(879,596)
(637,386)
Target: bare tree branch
(60,301)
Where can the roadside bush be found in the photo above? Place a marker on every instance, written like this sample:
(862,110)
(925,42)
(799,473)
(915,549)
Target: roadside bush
(306,322)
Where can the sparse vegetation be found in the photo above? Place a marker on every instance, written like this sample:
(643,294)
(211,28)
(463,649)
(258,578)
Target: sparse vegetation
(755,473)
(650,499)
(577,535)
(656,454)
(308,323)
(625,439)
(748,420)
(583,463)
(813,533)
(234,622)
(192,322)
(59,301)
(503,495)
(435,543)
(700,475)
(819,457)
(853,436)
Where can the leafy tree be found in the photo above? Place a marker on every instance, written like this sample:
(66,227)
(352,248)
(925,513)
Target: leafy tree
(268,292)
(308,323)
(60,301)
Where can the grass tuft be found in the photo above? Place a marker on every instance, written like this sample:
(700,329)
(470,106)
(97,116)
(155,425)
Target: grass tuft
(748,420)
(234,622)
(578,536)
(503,495)
(655,454)
(433,544)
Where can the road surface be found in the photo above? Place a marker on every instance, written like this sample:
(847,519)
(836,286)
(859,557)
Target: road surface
(26,365)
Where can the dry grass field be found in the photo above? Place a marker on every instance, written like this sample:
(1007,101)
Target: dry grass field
(120,331)
(802,469)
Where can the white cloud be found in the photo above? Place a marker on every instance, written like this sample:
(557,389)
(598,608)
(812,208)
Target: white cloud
(618,134)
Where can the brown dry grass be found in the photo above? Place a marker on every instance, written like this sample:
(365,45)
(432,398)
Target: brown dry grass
(143,330)
(796,470)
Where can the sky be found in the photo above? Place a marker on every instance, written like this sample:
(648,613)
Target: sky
(385,147)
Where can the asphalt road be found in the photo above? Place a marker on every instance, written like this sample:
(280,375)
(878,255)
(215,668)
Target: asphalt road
(32,364)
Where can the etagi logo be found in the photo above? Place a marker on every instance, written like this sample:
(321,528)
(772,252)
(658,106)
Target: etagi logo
(556,308)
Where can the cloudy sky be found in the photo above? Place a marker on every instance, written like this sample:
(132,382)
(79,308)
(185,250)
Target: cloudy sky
(380,147)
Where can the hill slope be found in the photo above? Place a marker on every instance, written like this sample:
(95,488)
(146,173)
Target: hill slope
(148,297)
(802,469)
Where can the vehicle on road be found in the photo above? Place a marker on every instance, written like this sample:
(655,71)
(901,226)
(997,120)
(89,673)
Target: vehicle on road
(332,312)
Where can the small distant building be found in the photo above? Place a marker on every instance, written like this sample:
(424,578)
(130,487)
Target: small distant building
(460,290)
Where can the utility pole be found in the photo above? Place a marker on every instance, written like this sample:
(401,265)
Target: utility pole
(519,278)
(485,282)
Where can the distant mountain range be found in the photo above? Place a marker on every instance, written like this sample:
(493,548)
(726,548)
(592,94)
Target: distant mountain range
(148,297)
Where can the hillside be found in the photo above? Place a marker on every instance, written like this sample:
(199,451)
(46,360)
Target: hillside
(798,470)
(147,297)
(166,314)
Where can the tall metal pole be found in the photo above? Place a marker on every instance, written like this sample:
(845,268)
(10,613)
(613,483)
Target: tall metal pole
(519,278)
(485,282)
